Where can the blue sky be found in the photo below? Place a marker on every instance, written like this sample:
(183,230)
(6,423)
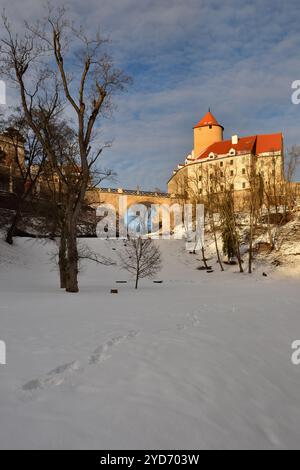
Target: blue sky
(184,56)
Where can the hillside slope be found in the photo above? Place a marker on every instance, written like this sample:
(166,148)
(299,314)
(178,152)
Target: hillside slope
(200,361)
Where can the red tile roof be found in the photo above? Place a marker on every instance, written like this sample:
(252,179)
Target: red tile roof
(269,143)
(208,120)
(253,144)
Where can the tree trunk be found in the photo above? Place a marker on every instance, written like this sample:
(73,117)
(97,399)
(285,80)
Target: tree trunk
(62,258)
(203,258)
(270,234)
(238,255)
(138,250)
(237,249)
(72,255)
(137,281)
(12,229)
(250,247)
(212,223)
(250,257)
(218,252)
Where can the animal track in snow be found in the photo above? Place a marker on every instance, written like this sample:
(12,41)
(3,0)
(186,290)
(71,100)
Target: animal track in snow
(192,320)
(55,377)
(61,373)
(195,319)
(101,353)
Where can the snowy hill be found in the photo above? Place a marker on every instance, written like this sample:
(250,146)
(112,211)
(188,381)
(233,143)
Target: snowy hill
(200,361)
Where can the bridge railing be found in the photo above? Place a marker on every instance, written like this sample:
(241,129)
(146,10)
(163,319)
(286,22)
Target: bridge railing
(132,192)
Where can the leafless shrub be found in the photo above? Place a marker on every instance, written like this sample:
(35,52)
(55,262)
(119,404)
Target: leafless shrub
(141,258)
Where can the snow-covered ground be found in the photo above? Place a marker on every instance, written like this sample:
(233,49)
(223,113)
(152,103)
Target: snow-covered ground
(200,361)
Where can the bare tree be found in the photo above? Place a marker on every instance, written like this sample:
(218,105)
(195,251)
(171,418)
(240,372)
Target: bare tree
(194,190)
(230,231)
(212,182)
(280,193)
(180,187)
(29,59)
(254,203)
(28,162)
(141,257)
(275,196)
(205,187)
(61,180)
(290,190)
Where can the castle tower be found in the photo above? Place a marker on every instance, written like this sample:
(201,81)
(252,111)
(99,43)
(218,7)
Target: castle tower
(206,132)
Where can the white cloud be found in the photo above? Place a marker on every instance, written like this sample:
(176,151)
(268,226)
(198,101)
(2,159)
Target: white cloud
(186,55)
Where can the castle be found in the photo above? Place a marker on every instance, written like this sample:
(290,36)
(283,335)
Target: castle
(217,165)
(214,166)
(12,157)
(11,143)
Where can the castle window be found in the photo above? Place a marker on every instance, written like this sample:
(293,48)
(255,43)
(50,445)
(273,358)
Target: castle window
(231,162)
(210,126)
(244,171)
(221,164)
(232,173)
(200,178)
(244,185)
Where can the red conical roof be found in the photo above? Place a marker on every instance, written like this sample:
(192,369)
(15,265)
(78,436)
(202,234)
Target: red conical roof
(208,120)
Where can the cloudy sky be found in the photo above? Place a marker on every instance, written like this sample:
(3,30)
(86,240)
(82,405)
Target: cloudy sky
(237,57)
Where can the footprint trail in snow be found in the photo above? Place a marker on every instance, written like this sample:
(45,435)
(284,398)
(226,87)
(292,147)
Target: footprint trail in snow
(61,373)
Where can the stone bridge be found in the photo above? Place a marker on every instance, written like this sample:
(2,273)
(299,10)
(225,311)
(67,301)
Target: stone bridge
(122,200)
(97,196)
